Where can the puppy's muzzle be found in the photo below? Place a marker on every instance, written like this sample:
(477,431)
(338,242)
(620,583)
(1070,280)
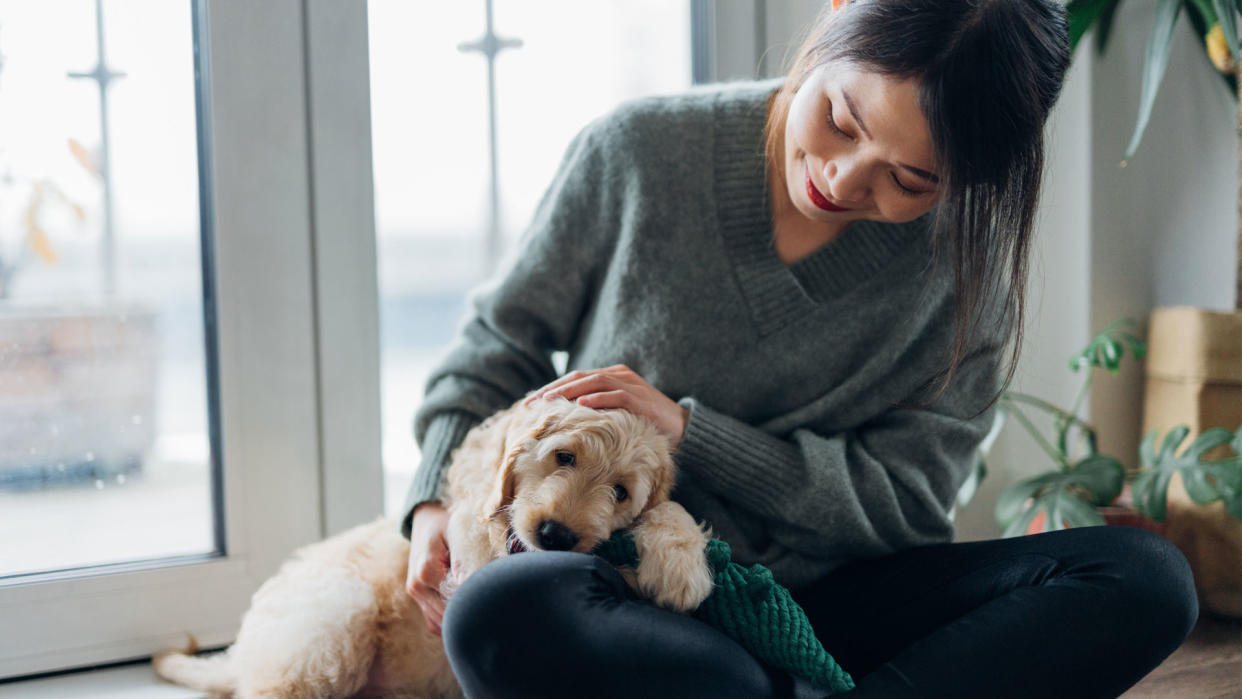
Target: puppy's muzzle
(554,536)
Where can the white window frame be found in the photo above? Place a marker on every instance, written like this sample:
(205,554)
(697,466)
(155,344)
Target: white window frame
(285,113)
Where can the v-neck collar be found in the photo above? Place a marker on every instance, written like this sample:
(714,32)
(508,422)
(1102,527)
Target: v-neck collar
(778,294)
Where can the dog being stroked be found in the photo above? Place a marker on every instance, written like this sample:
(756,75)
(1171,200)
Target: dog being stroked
(336,620)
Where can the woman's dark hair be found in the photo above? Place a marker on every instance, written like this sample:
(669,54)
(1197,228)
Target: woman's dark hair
(989,72)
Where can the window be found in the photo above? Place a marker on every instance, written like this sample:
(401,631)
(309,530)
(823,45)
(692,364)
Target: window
(244,222)
(194,490)
(104,412)
(460,167)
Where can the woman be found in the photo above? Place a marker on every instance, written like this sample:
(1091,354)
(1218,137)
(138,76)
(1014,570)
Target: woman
(809,285)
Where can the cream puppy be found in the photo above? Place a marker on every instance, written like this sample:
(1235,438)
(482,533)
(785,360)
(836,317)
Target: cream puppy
(335,621)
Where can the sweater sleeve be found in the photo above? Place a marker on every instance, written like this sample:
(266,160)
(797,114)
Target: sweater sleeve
(533,309)
(883,486)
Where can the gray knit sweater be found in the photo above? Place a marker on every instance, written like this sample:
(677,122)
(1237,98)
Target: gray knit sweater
(810,440)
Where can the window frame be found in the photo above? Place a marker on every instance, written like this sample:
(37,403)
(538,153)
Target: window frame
(285,176)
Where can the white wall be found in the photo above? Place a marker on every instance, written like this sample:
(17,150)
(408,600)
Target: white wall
(1165,226)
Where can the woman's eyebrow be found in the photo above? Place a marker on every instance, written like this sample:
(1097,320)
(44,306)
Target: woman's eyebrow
(920,173)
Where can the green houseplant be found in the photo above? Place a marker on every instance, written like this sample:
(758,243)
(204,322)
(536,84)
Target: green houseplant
(1193,374)
(1083,479)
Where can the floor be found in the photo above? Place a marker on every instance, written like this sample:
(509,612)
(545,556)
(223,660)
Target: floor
(1207,666)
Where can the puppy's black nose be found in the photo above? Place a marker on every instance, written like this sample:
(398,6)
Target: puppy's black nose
(554,536)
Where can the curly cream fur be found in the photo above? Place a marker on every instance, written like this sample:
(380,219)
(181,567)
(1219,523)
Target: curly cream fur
(336,621)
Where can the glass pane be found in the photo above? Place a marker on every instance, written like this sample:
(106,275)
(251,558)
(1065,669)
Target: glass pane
(104,448)
(430,136)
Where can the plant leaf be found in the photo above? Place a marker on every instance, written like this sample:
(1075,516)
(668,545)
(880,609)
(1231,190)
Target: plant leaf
(1223,478)
(1207,441)
(1156,60)
(1085,13)
(85,158)
(1228,18)
(1150,490)
(1019,526)
(1234,505)
(1112,355)
(1204,480)
(1010,503)
(1101,475)
(1066,497)
(1199,487)
(1104,27)
(1077,513)
(1106,350)
(1147,450)
(1202,14)
(1172,441)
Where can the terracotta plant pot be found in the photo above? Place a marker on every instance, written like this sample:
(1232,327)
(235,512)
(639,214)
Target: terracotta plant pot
(1114,515)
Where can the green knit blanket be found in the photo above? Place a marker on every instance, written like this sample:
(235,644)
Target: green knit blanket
(749,607)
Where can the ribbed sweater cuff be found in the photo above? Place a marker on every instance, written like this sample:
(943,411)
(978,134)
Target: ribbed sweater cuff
(443,435)
(734,460)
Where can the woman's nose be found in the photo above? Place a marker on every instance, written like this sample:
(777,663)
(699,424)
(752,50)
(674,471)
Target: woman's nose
(846,181)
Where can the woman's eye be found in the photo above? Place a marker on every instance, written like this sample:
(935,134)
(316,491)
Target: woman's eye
(564,458)
(833,123)
(620,493)
(907,191)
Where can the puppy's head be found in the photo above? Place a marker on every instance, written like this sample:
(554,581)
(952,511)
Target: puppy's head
(575,475)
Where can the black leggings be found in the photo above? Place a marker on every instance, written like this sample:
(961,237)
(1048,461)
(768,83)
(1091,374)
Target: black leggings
(1076,613)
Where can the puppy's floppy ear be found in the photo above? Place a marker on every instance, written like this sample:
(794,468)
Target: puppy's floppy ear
(661,480)
(502,490)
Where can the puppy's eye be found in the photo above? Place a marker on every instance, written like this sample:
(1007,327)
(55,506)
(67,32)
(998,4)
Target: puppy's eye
(620,493)
(564,458)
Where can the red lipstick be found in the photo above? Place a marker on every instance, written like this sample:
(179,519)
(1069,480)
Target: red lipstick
(818,199)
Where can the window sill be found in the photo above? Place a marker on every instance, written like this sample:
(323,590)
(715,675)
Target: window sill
(130,681)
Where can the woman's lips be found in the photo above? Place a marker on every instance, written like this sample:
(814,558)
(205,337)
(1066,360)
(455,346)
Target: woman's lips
(818,199)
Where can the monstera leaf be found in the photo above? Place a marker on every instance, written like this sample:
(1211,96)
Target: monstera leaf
(1229,479)
(1108,347)
(1205,481)
(1066,497)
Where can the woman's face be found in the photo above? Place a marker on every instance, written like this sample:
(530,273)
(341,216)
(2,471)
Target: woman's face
(858,147)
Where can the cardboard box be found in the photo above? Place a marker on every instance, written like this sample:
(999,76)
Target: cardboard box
(1194,378)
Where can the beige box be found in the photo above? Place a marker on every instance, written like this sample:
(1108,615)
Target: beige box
(1194,378)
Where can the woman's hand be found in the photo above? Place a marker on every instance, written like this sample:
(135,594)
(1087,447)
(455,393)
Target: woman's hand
(619,387)
(429,561)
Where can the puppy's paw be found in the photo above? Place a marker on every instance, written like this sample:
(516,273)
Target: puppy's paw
(672,559)
(678,582)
